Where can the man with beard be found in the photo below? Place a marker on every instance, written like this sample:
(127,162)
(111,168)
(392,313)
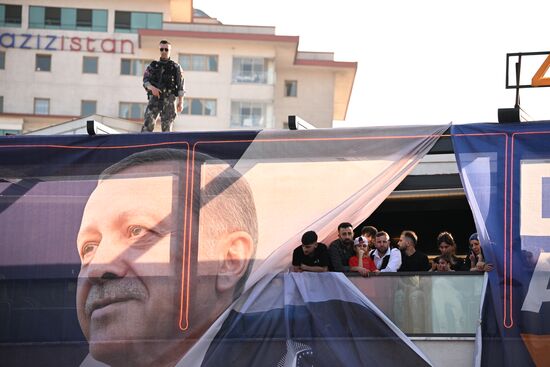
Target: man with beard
(385,259)
(412,259)
(146,290)
(164,83)
(409,298)
(341,249)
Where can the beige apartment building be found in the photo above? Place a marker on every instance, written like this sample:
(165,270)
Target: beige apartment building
(61,60)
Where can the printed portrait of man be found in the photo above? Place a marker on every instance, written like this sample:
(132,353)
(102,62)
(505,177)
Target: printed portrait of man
(166,243)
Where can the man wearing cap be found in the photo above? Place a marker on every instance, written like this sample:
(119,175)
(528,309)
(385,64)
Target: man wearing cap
(368,234)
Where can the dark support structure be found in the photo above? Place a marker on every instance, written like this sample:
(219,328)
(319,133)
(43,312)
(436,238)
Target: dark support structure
(444,145)
(510,115)
(90,127)
(296,123)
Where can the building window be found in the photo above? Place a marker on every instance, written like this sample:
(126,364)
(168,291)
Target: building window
(198,62)
(126,21)
(43,63)
(123,21)
(84,18)
(41,106)
(1,104)
(252,70)
(199,107)
(68,18)
(2,60)
(133,66)
(291,88)
(88,108)
(52,17)
(129,110)
(89,64)
(10,15)
(250,114)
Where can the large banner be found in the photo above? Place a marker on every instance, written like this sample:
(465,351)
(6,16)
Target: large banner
(174,249)
(505,170)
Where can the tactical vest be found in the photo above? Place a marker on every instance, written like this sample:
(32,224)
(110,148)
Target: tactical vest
(164,76)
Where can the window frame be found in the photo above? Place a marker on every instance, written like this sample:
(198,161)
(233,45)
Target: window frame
(82,102)
(37,56)
(68,18)
(54,22)
(130,26)
(134,69)
(80,11)
(252,106)
(251,70)
(35,111)
(188,103)
(117,24)
(142,107)
(206,64)
(294,87)
(7,22)
(84,58)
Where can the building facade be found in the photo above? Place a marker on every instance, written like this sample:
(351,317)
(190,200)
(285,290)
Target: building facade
(61,60)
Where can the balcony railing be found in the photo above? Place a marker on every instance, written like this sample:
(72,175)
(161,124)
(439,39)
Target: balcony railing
(427,304)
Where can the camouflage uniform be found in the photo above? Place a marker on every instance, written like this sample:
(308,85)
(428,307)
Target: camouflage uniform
(163,106)
(167,76)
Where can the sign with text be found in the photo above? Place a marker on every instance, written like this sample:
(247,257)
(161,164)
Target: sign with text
(54,42)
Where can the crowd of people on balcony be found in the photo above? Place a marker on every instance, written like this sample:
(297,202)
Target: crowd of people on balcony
(372,253)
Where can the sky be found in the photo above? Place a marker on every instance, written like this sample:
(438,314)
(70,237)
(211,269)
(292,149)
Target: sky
(419,62)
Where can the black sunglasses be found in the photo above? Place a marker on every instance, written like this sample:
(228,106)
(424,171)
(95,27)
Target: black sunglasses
(163,49)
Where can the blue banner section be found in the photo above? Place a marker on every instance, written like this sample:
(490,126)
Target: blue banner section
(305,327)
(505,171)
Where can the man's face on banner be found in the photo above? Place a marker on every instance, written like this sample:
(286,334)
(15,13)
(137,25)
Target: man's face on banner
(131,280)
(128,288)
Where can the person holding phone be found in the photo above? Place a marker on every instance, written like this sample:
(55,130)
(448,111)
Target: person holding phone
(476,260)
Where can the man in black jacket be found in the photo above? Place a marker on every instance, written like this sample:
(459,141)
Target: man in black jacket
(341,250)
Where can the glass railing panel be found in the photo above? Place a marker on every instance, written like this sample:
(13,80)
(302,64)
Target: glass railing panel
(427,304)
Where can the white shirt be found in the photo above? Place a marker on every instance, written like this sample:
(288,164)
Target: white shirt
(394,262)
